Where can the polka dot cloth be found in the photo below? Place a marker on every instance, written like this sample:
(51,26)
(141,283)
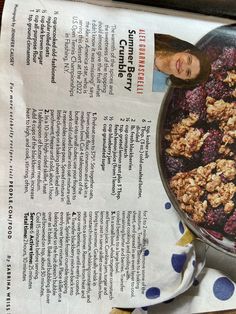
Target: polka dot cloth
(181,227)
(178,261)
(223,288)
(153,293)
(167,205)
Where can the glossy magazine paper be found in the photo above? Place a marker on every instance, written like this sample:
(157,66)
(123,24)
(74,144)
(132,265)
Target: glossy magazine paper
(86,223)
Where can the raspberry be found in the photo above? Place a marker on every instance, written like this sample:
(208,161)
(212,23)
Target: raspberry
(211,146)
(230,225)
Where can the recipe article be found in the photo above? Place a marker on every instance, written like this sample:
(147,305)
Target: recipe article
(84,213)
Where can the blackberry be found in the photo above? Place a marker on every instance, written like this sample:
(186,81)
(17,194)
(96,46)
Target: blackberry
(228,57)
(216,234)
(175,117)
(195,101)
(230,225)
(220,75)
(216,65)
(226,60)
(174,165)
(223,178)
(178,99)
(233,148)
(218,89)
(211,146)
(215,217)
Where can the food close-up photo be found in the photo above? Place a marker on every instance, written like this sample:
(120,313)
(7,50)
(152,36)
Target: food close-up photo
(198,144)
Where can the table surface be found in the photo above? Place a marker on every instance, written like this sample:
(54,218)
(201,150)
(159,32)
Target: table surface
(116,311)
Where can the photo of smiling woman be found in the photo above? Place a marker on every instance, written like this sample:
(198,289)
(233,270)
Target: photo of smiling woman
(178,62)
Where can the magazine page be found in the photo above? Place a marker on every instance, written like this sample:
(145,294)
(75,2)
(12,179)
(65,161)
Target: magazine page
(85,221)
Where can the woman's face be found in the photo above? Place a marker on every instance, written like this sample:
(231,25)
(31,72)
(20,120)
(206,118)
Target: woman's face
(184,65)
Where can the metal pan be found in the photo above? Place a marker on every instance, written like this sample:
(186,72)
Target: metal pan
(217,232)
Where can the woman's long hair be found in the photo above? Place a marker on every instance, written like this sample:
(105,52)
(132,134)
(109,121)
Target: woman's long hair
(166,44)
